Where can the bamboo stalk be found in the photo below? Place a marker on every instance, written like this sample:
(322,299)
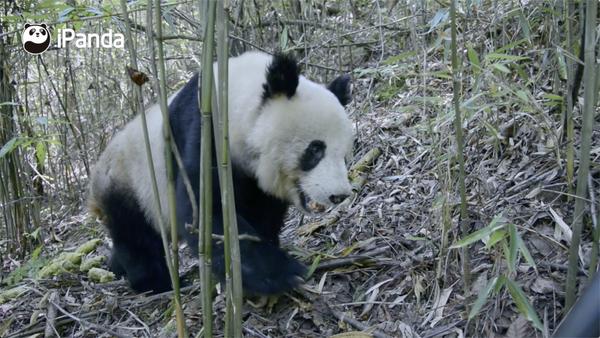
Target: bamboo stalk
(162,89)
(206,185)
(569,9)
(586,141)
(459,150)
(233,323)
(595,214)
(139,109)
(233,314)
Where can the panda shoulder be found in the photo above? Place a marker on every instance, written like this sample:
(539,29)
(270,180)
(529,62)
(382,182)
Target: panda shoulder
(255,56)
(252,61)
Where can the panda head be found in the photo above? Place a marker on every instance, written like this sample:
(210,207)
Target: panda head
(302,138)
(35,38)
(37,34)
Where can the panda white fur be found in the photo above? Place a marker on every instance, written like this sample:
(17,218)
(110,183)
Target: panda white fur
(289,138)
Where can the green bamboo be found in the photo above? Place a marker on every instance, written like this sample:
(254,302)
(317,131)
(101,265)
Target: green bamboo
(139,109)
(569,9)
(233,315)
(586,141)
(162,89)
(459,150)
(595,213)
(206,202)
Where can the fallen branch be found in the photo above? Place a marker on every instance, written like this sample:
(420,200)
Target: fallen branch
(39,327)
(362,165)
(365,259)
(355,323)
(80,319)
(50,328)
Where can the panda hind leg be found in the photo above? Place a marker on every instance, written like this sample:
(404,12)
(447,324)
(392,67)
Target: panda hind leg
(137,252)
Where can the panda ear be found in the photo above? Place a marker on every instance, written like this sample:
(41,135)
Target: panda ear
(44,26)
(27,25)
(342,89)
(282,76)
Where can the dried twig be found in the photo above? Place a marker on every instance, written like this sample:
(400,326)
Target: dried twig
(366,258)
(357,324)
(50,329)
(79,319)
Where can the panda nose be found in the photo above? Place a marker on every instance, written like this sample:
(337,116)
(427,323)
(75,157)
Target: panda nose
(337,199)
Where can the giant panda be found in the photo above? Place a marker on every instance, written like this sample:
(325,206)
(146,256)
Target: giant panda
(289,139)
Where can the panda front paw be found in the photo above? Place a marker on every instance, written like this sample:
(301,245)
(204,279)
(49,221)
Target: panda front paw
(266,269)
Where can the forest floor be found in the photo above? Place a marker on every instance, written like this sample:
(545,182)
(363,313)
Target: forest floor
(377,262)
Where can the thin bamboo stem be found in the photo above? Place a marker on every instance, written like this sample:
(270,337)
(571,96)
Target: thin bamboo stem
(570,151)
(206,185)
(162,88)
(595,215)
(233,276)
(459,150)
(586,141)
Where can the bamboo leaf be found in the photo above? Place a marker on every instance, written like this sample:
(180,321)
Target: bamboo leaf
(95,10)
(511,46)
(525,252)
(477,236)
(506,251)
(522,303)
(512,249)
(395,59)
(493,130)
(496,236)
(64,14)
(9,146)
(482,297)
(440,17)
(499,284)
(524,24)
(523,96)
(40,152)
(553,97)
(501,68)
(496,223)
(505,57)
(473,58)
(283,39)
(521,72)
(313,266)
(51,4)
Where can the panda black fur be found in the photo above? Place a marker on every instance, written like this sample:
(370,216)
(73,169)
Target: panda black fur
(289,137)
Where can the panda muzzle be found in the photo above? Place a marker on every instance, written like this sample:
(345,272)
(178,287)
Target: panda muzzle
(310,205)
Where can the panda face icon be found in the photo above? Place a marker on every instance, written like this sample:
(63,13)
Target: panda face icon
(36,38)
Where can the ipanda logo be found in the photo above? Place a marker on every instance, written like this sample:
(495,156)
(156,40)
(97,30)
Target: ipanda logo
(36,39)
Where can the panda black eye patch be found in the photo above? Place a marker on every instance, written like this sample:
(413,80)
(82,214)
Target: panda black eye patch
(312,155)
